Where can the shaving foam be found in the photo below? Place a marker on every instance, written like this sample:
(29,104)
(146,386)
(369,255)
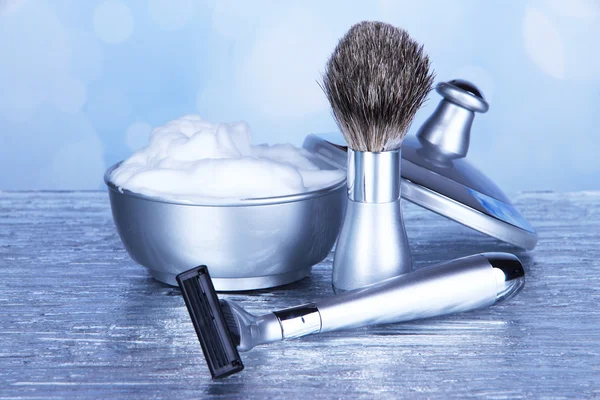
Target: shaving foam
(192,160)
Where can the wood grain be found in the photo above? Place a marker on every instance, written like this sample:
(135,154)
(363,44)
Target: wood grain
(79,319)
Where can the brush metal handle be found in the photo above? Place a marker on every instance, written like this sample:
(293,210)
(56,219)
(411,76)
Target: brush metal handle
(372,245)
(461,285)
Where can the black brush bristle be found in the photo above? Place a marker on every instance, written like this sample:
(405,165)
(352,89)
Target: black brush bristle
(218,345)
(376,80)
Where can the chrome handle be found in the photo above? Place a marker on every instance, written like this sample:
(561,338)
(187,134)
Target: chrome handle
(460,285)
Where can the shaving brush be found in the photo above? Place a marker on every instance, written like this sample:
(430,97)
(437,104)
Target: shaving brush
(375,80)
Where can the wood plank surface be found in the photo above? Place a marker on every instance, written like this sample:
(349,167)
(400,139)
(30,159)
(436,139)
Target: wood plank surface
(79,319)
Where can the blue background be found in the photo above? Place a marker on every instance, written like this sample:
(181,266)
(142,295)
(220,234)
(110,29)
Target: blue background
(83,82)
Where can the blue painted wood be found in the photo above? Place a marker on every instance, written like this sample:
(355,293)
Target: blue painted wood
(78,318)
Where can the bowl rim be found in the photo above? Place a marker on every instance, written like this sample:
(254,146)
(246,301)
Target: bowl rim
(257,201)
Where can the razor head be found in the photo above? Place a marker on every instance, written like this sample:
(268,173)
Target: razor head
(201,299)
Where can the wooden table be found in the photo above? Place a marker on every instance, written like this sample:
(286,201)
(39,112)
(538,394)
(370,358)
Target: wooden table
(78,318)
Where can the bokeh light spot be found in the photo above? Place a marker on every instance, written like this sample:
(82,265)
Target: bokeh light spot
(113,22)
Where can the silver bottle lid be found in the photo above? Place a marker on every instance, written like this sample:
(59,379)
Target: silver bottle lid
(437,174)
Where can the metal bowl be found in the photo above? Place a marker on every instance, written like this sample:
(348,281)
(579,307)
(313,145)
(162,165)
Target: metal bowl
(249,244)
